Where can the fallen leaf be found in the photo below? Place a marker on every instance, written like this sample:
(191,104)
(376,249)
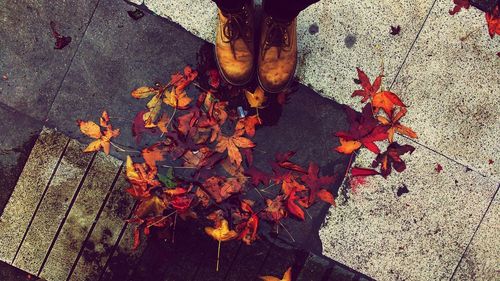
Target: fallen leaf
(395,126)
(386,100)
(286,277)
(459,4)
(275,210)
(317,185)
(363,128)
(177,99)
(493,21)
(395,30)
(222,233)
(257,98)
(231,144)
(368,89)
(391,158)
(438,168)
(363,172)
(102,135)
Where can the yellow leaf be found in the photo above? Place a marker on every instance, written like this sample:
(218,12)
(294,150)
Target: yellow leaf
(90,129)
(94,146)
(130,170)
(257,98)
(143,92)
(286,277)
(221,233)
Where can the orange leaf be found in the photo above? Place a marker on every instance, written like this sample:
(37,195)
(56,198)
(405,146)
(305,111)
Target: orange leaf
(326,196)
(286,277)
(154,205)
(386,100)
(94,146)
(177,99)
(348,146)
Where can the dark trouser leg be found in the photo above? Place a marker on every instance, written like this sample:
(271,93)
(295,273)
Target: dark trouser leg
(286,10)
(230,5)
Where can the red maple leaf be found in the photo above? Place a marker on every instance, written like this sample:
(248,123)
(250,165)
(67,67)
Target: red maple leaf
(391,158)
(316,185)
(459,4)
(363,128)
(493,21)
(368,89)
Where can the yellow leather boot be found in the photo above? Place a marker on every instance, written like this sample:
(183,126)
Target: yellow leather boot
(234,45)
(278,54)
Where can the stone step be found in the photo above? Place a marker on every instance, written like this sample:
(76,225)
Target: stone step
(67,212)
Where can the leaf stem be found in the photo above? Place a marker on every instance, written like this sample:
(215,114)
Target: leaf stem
(286,231)
(120,149)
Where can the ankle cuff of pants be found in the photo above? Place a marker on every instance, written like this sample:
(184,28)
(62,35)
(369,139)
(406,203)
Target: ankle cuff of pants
(280,14)
(230,6)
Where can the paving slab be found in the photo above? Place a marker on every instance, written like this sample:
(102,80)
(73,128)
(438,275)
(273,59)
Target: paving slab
(450,83)
(98,181)
(480,261)
(117,55)
(334,37)
(18,134)
(412,226)
(29,191)
(33,67)
(53,207)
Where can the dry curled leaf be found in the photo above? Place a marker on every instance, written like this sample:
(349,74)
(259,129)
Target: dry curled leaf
(221,233)
(257,98)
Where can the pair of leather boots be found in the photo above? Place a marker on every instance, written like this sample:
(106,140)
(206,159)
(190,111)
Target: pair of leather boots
(237,56)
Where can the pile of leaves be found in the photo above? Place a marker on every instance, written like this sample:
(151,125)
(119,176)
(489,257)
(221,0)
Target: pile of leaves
(201,164)
(491,11)
(378,122)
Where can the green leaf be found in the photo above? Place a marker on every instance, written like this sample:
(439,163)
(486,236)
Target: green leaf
(168,179)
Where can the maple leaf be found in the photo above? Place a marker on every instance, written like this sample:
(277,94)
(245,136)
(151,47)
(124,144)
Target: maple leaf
(144,92)
(363,128)
(386,100)
(257,176)
(231,144)
(395,30)
(395,126)
(248,228)
(103,137)
(275,210)
(153,205)
(153,154)
(257,98)
(438,168)
(290,188)
(248,124)
(286,277)
(141,179)
(221,233)
(459,4)
(493,21)
(391,158)
(221,188)
(368,89)
(348,146)
(283,160)
(316,185)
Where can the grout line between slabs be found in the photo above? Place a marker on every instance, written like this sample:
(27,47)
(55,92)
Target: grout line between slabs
(413,44)
(66,214)
(71,61)
(474,234)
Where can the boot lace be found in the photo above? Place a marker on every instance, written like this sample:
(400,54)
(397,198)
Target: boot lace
(236,27)
(277,36)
